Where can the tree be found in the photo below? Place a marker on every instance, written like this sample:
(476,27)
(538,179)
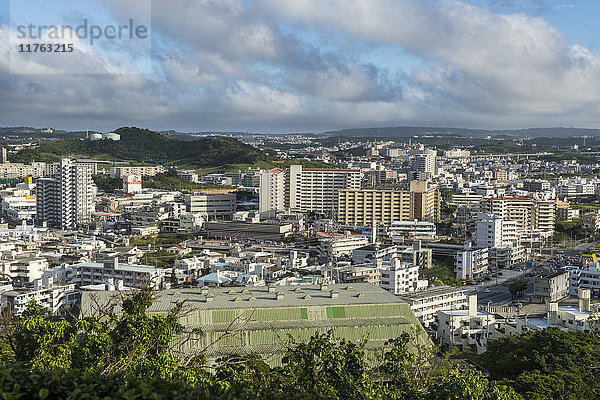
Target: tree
(548,364)
(517,287)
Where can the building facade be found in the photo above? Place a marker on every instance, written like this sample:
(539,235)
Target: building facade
(67,201)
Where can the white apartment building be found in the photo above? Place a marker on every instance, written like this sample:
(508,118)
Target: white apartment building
(24,269)
(493,231)
(400,230)
(316,190)
(530,215)
(133,276)
(425,162)
(306,189)
(342,246)
(401,278)
(119,172)
(55,299)
(471,262)
(67,201)
(426,303)
(501,237)
(271,193)
(466,328)
(585,276)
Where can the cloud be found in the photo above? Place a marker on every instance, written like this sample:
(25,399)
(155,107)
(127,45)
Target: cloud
(283,65)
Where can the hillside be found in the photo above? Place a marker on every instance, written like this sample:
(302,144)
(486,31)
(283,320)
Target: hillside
(141,145)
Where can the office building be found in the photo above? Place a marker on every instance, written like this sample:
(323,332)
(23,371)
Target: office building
(212,206)
(67,201)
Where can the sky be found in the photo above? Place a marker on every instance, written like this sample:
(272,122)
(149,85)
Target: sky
(283,66)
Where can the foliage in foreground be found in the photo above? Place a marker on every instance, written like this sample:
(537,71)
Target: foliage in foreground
(129,356)
(549,364)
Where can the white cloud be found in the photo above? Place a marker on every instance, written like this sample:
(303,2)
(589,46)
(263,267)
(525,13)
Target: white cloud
(228,64)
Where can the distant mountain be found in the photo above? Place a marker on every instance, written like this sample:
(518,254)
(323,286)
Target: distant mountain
(142,145)
(408,131)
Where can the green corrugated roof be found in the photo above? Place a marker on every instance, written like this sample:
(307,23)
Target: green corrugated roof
(194,299)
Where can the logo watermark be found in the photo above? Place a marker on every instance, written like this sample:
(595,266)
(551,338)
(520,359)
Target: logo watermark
(80,37)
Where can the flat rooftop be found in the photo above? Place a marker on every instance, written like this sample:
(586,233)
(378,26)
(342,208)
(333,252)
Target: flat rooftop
(255,297)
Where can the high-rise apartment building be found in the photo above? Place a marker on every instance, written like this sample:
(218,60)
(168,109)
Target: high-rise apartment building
(360,207)
(530,215)
(305,189)
(493,231)
(272,193)
(67,201)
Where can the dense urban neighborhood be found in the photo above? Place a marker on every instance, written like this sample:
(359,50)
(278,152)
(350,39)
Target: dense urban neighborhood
(454,247)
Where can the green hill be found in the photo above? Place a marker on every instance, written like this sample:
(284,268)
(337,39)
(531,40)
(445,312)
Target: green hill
(142,145)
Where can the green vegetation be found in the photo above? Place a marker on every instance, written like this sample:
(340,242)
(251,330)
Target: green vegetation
(130,356)
(566,230)
(447,280)
(107,184)
(517,287)
(158,241)
(585,207)
(438,271)
(170,181)
(142,145)
(550,364)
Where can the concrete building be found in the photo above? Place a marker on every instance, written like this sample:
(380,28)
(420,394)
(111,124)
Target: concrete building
(401,277)
(55,299)
(399,231)
(416,255)
(236,230)
(316,190)
(501,237)
(566,318)
(305,189)
(426,303)
(467,328)
(67,201)
(536,185)
(471,262)
(359,274)
(342,245)
(255,319)
(132,183)
(271,193)
(530,215)
(212,206)
(131,276)
(585,276)
(119,172)
(360,207)
(551,288)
